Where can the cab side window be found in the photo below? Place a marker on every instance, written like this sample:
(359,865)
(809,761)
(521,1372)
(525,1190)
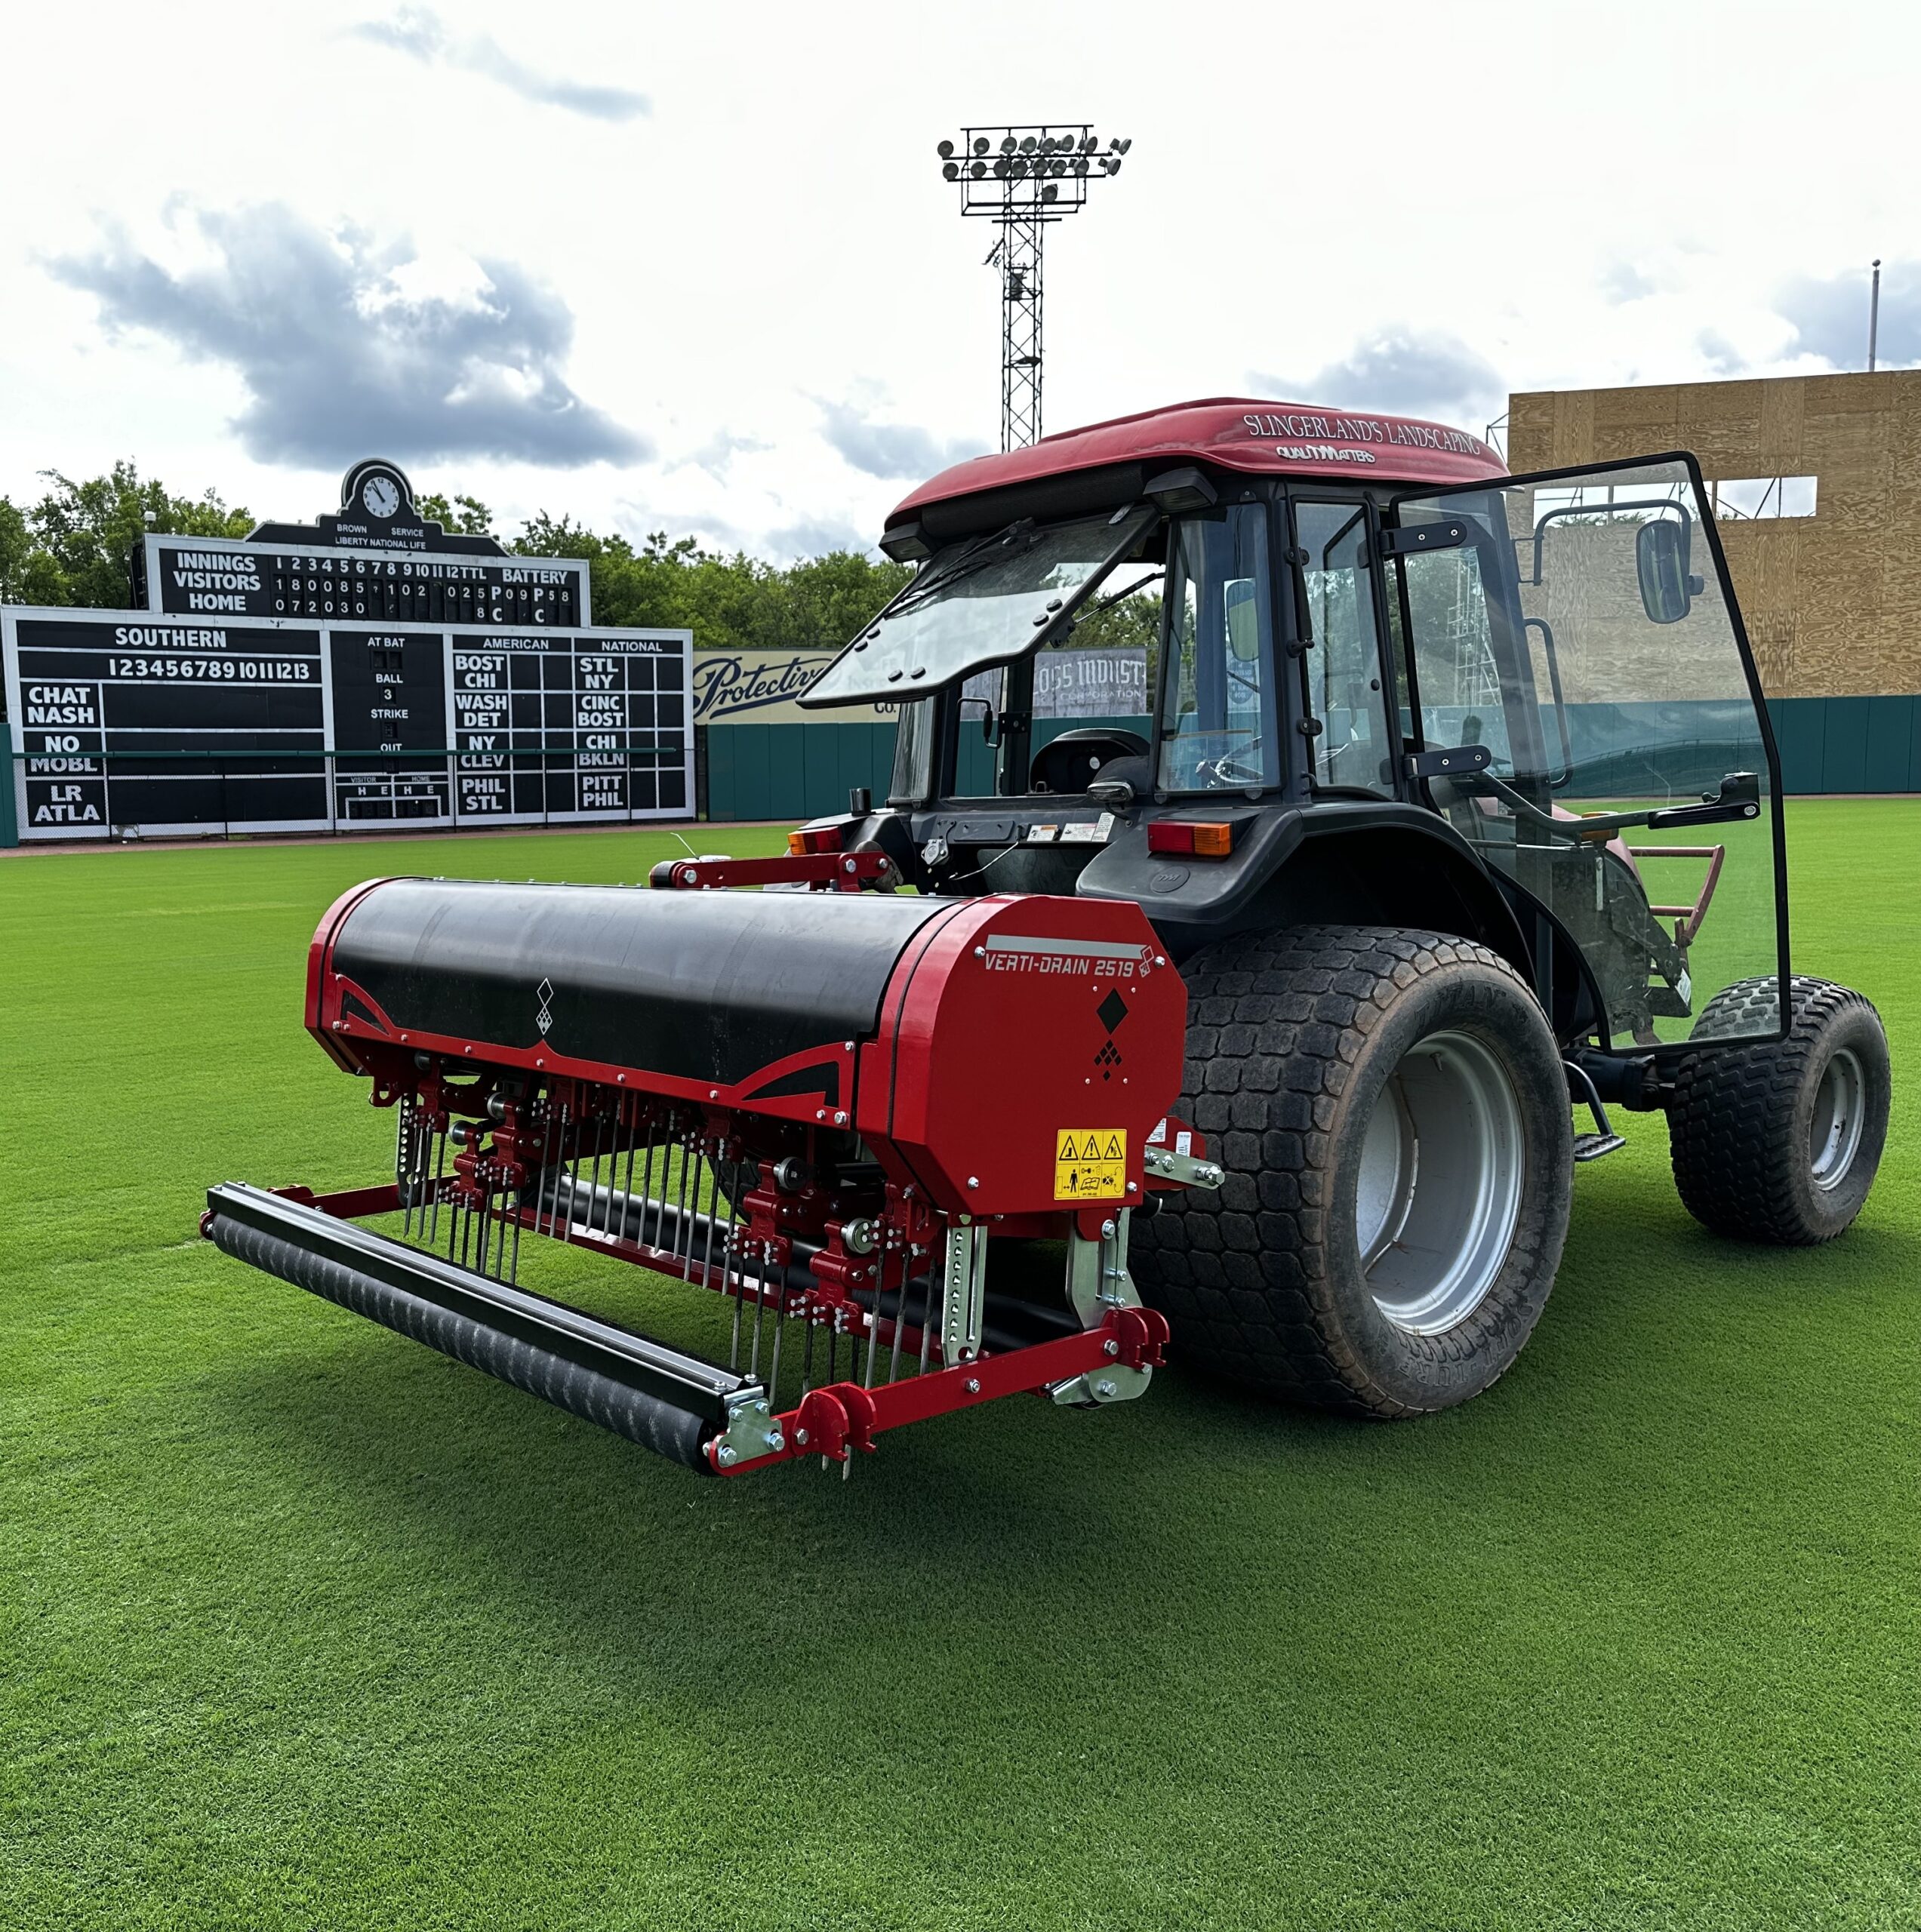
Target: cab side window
(1218,728)
(1342,666)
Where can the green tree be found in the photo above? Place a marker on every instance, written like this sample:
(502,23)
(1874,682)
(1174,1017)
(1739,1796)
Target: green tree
(730,602)
(15,546)
(465,516)
(74,547)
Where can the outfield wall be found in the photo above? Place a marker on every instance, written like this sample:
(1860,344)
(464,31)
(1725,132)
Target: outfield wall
(796,771)
(791,772)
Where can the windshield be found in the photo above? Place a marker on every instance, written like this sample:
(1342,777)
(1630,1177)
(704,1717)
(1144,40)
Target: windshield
(979,603)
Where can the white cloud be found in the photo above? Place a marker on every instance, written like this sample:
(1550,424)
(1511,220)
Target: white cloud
(419,32)
(338,357)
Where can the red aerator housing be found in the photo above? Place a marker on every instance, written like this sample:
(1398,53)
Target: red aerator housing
(967,1037)
(823,1104)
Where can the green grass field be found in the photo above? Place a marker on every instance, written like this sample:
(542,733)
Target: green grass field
(302,1625)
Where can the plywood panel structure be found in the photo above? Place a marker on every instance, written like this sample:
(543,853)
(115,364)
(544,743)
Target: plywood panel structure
(1832,601)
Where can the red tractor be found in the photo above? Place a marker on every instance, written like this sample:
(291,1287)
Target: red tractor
(1256,1033)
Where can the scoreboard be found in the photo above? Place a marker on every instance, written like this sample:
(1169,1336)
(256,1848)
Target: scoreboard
(199,576)
(146,724)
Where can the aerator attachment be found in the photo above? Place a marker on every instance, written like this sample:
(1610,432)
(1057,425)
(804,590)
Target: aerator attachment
(841,1112)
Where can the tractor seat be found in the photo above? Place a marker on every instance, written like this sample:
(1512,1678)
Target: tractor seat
(1071,761)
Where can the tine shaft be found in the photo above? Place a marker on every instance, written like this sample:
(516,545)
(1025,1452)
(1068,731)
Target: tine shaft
(707,1253)
(546,1161)
(760,1304)
(728,1284)
(480,1236)
(513,1266)
(873,1339)
(683,1235)
(899,1314)
(780,1329)
(613,1167)
(439,1164)
(807,1360)
(926,1309)
(627,1186)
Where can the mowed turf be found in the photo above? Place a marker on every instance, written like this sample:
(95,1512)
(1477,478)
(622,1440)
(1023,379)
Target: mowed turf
(302,1625)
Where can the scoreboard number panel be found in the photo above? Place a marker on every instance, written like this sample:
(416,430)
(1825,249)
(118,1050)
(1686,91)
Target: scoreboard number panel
(128,723)
(121,721)
(195,577)
(572,727)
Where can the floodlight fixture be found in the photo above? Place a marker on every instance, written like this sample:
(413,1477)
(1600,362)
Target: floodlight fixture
(1037,173)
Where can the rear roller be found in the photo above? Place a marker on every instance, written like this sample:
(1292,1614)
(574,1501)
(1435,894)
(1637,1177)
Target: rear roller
(1393,1113)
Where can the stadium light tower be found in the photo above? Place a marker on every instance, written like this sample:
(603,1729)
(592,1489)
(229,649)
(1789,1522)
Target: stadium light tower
(1024,178)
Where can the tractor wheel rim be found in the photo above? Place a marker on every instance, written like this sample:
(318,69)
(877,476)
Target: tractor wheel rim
(1438,1195)
(1834,1129)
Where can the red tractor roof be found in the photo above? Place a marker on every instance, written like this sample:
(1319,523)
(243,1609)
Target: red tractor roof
(1236,433)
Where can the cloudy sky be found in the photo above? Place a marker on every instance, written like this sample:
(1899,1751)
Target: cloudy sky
(693,268)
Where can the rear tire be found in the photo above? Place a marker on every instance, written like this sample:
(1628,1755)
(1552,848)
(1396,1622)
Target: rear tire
(1393,1113)
(1779,1142)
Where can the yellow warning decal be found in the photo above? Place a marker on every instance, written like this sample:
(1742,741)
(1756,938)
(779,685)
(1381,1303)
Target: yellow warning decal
(1090,1163)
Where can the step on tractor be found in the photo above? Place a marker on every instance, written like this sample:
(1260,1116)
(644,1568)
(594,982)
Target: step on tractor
(1252,1033)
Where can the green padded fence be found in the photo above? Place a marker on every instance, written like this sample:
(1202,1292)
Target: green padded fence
(791,772)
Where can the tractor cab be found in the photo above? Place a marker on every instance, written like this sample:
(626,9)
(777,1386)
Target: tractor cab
(1385,682)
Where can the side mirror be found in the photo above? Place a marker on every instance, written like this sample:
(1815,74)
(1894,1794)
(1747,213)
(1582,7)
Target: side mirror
(1660,560)
(986,717)
(1243,615)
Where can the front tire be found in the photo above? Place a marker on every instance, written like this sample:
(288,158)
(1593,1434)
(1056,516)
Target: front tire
(1780,1142)
(1392,1111)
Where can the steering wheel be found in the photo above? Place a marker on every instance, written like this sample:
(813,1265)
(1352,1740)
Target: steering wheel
(1229,771)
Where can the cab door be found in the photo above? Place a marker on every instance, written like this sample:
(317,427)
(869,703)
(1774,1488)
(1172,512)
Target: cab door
(1581,703)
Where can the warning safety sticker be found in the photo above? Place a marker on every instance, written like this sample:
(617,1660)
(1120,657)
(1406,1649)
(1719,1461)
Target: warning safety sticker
(1090,1164)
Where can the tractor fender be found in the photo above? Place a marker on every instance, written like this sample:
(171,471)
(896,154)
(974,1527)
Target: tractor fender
(1360,862)
(1394,865)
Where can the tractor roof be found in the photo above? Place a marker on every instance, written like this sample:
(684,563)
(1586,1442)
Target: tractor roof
(1232,432)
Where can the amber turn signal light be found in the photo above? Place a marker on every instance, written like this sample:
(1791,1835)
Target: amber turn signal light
(825,839)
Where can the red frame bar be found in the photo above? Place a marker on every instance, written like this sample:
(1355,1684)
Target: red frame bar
(843,1417)
(846,871)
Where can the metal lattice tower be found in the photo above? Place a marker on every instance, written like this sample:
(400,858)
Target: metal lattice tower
(1025,177)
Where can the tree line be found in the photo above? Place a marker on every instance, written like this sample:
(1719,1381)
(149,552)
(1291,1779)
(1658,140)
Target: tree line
(74,545)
